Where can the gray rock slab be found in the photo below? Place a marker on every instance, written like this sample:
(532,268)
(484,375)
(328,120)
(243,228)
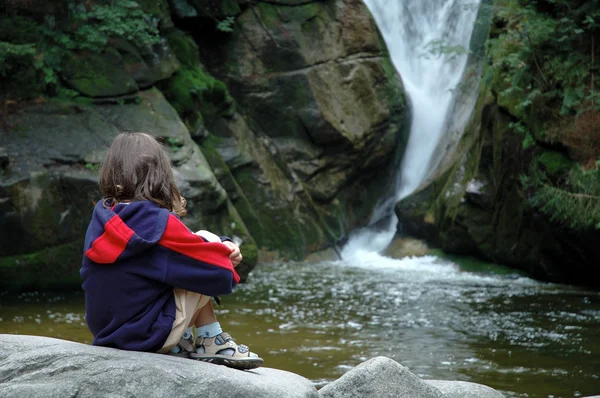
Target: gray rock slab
(464,389)
(32,366)
(379,377)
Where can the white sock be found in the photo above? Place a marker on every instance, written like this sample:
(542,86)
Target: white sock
(210,330)
(188,333)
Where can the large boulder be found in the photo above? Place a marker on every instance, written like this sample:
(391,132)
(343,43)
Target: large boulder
(49,187)
(33,366)
(50,368)
(383,377)
(379,377)
(317,80)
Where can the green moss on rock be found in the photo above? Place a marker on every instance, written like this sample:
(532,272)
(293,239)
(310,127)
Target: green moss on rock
(554,162)
(55,267)
(196,95)
(98,74)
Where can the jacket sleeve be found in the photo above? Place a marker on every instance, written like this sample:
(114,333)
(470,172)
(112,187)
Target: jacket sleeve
(194,264)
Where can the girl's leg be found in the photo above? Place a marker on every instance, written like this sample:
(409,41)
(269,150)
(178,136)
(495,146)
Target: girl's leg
(204,316)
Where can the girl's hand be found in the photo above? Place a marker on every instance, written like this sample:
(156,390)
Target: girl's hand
(236,255)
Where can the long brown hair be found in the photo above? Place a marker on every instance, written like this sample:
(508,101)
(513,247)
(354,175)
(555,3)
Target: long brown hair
(137,167)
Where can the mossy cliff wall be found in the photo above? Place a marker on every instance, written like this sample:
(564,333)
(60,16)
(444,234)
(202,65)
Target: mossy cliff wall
(523,186)
(280,120)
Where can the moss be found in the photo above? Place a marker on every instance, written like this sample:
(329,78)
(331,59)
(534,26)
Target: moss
(274,228)
(98,74)
(184,48)
(55,267)
(196,95)
(554,162)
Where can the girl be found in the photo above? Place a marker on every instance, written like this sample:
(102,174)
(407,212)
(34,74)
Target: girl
(147,278)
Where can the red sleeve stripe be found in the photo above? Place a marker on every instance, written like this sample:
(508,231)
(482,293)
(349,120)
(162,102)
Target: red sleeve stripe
(109,246)
(178,238)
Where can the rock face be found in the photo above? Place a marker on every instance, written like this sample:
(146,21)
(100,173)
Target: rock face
(50,368)
(316,79)
(511,192)
(32,366)
(48,192)
(281,122)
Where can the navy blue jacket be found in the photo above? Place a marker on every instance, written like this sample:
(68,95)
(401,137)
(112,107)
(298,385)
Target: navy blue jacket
(135,254)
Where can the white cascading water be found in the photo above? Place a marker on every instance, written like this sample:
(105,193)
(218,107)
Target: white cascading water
(413,30)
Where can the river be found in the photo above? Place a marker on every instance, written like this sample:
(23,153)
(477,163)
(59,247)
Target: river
(452,320)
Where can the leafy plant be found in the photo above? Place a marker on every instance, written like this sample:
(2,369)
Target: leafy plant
(13,54)
(226,25)
(574,202)
(92,166)
(174,143)
(546,50)
(85,26)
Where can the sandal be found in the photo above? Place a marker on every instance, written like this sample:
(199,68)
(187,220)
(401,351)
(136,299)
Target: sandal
(222,350)
(184,348)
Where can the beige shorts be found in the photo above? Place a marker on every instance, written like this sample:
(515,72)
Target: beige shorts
(186,305)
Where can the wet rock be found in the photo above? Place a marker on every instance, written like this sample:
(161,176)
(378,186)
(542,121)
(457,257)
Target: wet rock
(316,78)
(463,389)
(379,377)
(4,159)
(326,255)
(47,197)
(406,247)
(383,377)
(32,366)
(98,74)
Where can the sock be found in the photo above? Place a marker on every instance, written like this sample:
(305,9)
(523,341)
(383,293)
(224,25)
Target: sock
(210,330)
(188,333)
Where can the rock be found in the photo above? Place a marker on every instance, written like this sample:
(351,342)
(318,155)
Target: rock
(326,255)
(47,195)
(379,377)
(4,159)
(149,64)
(463,389)
(98,74)
(406,247)
(32,366)
(316,78)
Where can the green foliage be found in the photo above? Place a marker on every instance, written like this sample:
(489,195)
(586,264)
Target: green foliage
(118,19)
(226,25)
(554,162)
(528,141)
(174,144)
(11,55)
(195,94)
(86,26)
(574,204)
(92,166)
(544,51)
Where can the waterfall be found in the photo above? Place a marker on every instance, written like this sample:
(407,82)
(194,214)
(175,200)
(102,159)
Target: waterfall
(425,39)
